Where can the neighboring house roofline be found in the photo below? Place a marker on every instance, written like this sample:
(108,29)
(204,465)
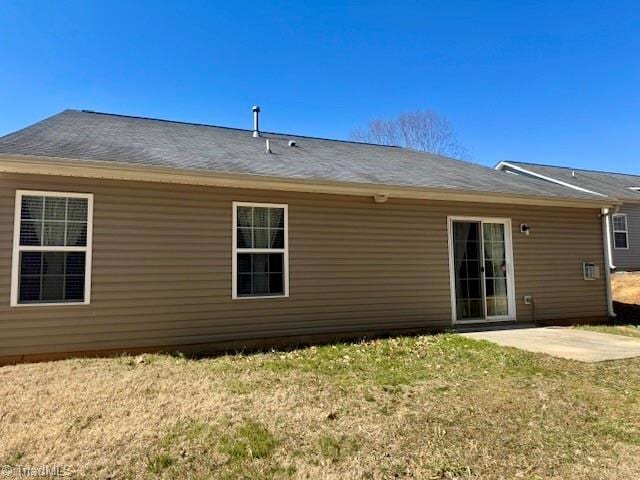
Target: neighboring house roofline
(55,166)
(564,167)
(507,166)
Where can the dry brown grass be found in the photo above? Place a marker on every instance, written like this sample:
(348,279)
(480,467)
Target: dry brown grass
(625,287)
(425,407)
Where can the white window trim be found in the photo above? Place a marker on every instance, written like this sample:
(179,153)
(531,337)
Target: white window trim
(236,250)
(15,265)
(625,231)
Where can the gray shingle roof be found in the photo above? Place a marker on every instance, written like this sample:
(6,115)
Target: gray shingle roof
(98,137)
(608,183)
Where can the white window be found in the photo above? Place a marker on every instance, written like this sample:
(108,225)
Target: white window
(260,250)
(590,271)
(620,231)
(51,248)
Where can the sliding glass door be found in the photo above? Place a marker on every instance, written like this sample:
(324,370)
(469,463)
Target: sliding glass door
(480,257)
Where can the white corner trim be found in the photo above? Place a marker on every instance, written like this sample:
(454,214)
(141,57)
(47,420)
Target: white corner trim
(15,260)
(235,250)
(506,166)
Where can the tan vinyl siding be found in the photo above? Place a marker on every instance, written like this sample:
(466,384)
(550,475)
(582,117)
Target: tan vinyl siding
(629,259)
(162,267)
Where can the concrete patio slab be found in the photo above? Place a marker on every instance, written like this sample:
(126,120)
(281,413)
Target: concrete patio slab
(564,342)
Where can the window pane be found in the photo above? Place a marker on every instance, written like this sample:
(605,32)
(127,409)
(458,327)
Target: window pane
(261,238)
(276,263)
(260,284)
(30,233)
(245,237)
(245,215)
(244,263)
(469,250)
(51,276)
(74,288)
(55,208)
(276,284)
(476,309)
(277,218)
(76,234)
(31,208)
(619,222)
(75,263)
(502,306)
(29,290)
(276,238)
(260,217)
(260,274)
(77,209)
(493,232)
(473,269)
(53,263)
(466,231)
(260,263)
(52,288)
(53,234)
(489,287)
(244,284)
(30,263)
(620,240)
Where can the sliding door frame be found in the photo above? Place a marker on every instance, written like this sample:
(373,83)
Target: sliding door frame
(511,288)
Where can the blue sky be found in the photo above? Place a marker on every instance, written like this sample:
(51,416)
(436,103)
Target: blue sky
(551,82)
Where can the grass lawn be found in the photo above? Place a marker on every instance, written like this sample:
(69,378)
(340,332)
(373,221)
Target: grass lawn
(439,407)
(626,330)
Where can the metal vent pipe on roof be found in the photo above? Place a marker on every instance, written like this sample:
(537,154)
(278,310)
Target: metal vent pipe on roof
(256,126)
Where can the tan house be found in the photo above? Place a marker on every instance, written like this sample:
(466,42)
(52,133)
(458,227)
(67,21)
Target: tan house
(132,234)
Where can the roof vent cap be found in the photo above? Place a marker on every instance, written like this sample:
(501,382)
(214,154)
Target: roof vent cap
(573,173)
(292,143)
(256,118)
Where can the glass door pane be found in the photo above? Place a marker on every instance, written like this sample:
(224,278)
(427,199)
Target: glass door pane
(495,269)
(467,257)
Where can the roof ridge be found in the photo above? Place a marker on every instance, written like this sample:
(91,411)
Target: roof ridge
(571,168)
(197,124)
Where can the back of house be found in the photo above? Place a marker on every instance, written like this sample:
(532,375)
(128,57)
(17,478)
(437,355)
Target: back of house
(126,234)
(624,226)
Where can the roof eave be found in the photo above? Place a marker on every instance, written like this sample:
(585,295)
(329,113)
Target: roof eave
(55,166)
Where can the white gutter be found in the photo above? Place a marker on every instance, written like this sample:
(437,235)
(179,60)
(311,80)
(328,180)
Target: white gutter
(504,166)
(609,266)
